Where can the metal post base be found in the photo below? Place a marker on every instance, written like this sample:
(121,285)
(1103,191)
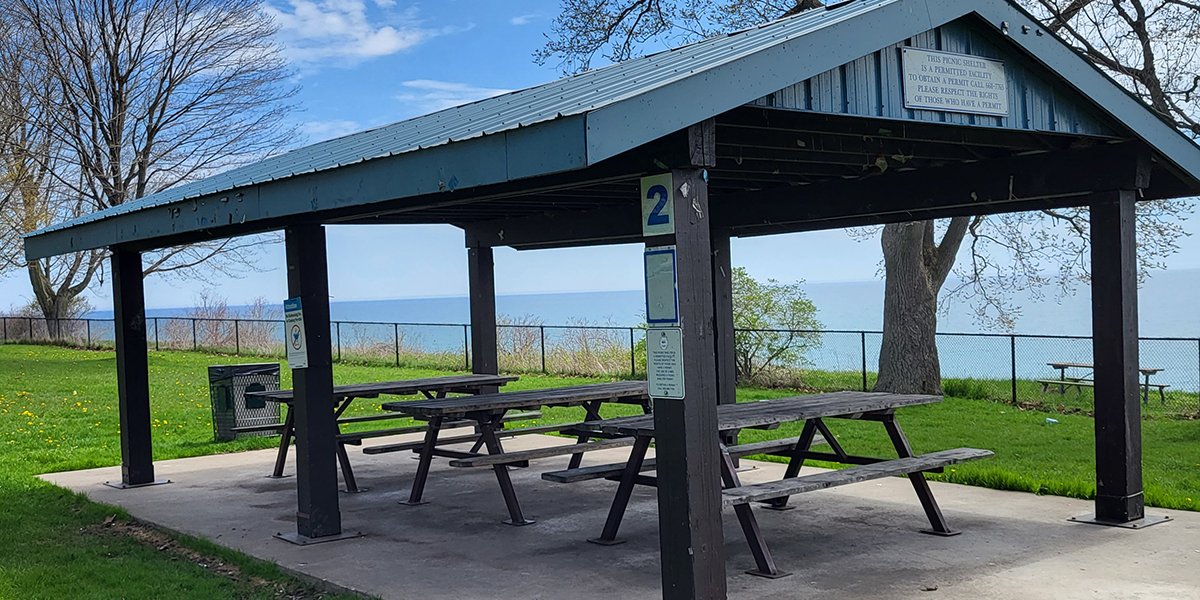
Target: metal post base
(775,575)
(121,485)
(301,540)
(1141,523)
(411,503)
(278,476)
(604,542)
(355,491)
(951,533)
(521,523)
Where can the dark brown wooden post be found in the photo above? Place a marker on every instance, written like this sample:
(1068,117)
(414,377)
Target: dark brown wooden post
(133,380)
(1115,355)
(318,514)
(689,477)
(722,265)
(482,275)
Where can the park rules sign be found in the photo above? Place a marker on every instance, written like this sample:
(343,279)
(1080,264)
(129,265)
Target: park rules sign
(954,83)
(293,328)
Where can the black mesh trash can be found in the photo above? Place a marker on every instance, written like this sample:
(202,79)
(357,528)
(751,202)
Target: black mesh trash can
(227,386)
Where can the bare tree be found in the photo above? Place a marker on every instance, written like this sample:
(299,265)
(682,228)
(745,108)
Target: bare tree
(133,97)
(1148,45)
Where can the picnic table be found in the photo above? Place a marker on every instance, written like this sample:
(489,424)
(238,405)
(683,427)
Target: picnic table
(344,395)
(487,411)
(769,414)
(1064,381)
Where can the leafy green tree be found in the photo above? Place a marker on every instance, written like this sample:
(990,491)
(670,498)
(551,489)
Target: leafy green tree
(775,323)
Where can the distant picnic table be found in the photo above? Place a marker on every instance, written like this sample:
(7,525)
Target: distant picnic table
(344,395)
(1065,381)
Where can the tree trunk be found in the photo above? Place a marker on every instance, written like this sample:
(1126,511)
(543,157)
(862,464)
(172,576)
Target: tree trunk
(915,269)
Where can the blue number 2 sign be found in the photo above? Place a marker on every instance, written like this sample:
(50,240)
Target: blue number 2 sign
(657,207)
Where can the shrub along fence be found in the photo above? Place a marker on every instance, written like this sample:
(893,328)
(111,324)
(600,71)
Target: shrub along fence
(1021,369)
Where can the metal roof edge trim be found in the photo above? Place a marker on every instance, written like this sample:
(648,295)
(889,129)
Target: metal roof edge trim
(625,124)
(558,145)
(1107,94)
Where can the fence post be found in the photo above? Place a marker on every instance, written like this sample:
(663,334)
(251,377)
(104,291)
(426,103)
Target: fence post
(88,323)
(338,325)
(237,339)
(396,337)
(1198,380)
(862,336)
(30,324)
(542,328)
(155,334)
(632,351)
(466,349)
(5,321)
(1012,349)
(195,339)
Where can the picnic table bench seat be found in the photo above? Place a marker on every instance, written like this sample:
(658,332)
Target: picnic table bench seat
(613,470)
(772,490)
(547,452)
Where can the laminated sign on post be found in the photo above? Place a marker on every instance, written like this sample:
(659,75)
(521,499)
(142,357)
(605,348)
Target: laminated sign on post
(662,289)
(293,328)
(658,210)
(664,362)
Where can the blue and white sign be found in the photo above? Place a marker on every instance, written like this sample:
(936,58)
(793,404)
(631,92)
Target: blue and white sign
(658,206)
(662,286)
(293,329)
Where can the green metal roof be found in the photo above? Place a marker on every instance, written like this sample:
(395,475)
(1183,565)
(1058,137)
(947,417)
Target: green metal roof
(577,122)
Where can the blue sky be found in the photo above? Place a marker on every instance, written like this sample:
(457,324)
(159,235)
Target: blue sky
(365,63)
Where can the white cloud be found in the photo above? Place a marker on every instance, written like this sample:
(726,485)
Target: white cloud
(428,95)
(524,19)
(346,31)
(317,131)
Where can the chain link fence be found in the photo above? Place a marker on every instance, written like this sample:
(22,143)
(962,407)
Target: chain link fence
(1039,371)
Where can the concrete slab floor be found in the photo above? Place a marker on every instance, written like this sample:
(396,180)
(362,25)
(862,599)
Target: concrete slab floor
(854,542)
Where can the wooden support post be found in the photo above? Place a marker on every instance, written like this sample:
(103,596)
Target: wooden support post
(689,461)
(722,268)
(482,275)
(133,381)
(318,514)
(1115,354)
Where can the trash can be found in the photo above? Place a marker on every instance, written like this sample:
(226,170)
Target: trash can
(227,386)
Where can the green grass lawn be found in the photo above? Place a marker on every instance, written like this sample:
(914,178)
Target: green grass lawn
(58,412)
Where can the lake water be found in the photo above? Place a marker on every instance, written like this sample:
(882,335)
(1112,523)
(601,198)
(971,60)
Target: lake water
(1167,306)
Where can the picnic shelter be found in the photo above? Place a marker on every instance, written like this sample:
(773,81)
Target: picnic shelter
(866,112)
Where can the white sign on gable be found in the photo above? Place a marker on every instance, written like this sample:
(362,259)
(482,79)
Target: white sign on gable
(658,208)
(954,83)
(664,362)
(293,329)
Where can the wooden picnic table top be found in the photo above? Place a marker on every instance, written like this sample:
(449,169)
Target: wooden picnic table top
(773,412)
(622,391)
(1068,365)
(449,383)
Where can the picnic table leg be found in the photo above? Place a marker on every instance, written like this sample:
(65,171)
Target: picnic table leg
(796,462)
(285,441)
(488,434)
(431,435)
(745,515)
(342,456)
(937,522)
(616,512)
(593,414)
(347,471)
